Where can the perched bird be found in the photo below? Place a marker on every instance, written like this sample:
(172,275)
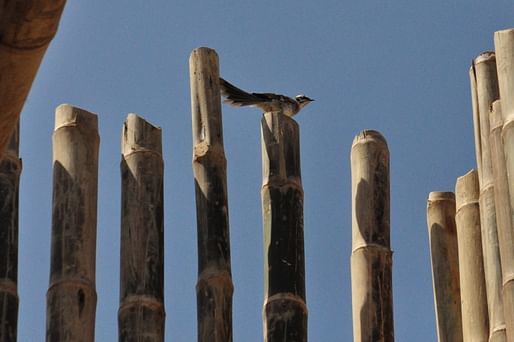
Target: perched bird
(268,102)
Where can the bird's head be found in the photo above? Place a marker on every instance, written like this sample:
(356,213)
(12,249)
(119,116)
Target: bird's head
(303,100)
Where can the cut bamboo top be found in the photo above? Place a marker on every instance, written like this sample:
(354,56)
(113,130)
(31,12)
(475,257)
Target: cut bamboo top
(441,196)
(369,134)
(486,56)
(504,47)
(466,189)
(68,115)
(140,135)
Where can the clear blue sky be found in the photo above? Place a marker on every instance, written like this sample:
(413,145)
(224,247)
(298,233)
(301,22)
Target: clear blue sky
(400,67)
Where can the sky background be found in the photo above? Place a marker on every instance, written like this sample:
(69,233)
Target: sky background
(399,67)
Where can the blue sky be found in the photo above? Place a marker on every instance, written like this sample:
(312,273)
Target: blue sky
(400,67)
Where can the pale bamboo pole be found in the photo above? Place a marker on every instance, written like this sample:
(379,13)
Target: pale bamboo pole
(26,29)
(10,169)
(71,297)
(445,265)
(483,77)
(475,321)
(371,260)
(141,313)
(285,309)
(214,288)
(503,218)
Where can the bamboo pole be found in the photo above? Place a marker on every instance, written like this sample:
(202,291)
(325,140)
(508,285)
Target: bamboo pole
(285,309)
(141,314)
(71,296)
(475,322)
(483,76)
(10,169)
(214,288)
(445,265)
(26,29)
(371,260)
(503,218)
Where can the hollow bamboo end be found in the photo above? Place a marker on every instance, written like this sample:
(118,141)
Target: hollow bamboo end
(140,134)
(69,115)
(368,135)
(466,189)
(441,196)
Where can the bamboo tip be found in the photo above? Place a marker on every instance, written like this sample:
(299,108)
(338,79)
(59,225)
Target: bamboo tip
(484,57)
(369,135)
(278,117)
(139,134)
(441,196)
(203,51)
(466,188)
(69,115)
(495,115)
(508,31)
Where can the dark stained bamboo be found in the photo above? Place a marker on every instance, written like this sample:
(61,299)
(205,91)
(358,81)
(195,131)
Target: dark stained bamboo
(26,29)
(475,321)
(141,314)
(71,296)
(214,288)
(285,309)
(445,265)
(503,218)
(483,77)
(10,169)
(371,260)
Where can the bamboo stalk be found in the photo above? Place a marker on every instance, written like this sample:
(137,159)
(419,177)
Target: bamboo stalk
(71,296)
(504,48)
(445,265)
(503,218)
(285,309)
(475,321)
(483,75)
(26,29)
(214,288)
(141,314)
(371,260)
(10,169)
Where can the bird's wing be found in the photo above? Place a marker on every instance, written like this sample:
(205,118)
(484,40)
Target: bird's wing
(238,97)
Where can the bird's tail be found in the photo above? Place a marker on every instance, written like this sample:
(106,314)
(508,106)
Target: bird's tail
(237,97)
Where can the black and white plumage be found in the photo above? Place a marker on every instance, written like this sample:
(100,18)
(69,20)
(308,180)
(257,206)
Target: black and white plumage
(268,102)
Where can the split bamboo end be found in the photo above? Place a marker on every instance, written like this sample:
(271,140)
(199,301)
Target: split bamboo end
(466,189)
(69,115)
(140,135)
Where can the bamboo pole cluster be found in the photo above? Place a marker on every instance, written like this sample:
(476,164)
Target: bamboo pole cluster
(484,211)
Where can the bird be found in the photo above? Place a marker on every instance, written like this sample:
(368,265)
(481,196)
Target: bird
(268,102)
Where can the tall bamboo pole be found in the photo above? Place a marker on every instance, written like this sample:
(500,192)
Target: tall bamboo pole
(10,169)
(285,309)
(503,218)
(475,322)
(371,260)
(483,77)
(71,297)
(141,314)
(214,288)
(445,265)
(26,29)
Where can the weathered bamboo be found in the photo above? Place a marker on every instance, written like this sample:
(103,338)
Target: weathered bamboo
(26,29)
(503,218)
(285,309)
(71,297)
(475,321)
(504,48)
(214,288)
(141,314)
(483,76)
(10,169)
(371,260)
(445,265)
